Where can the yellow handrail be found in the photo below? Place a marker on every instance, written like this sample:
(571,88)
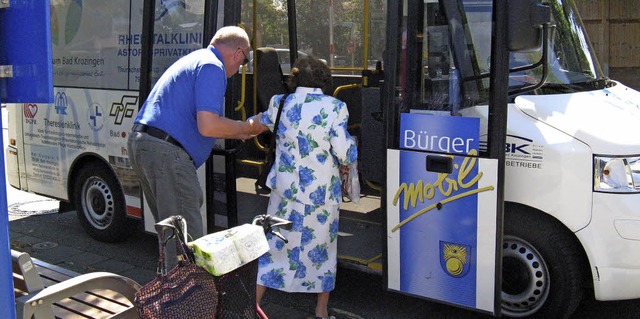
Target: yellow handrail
(365,61)
(259,163)
(345,87)
(240,106)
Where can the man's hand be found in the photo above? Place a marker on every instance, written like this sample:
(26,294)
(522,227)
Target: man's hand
(213,125)
(256,127)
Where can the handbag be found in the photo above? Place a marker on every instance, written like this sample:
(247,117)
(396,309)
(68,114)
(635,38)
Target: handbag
(270,157)
(186,291)
(350,182)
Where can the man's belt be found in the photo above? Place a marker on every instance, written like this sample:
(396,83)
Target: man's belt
(157,133)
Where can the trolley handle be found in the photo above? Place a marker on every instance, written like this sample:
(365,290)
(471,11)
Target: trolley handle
(268,222)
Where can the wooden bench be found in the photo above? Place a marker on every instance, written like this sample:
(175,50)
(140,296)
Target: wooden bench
(43,290)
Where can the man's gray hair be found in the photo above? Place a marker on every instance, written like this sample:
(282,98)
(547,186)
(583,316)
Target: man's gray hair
(231,36)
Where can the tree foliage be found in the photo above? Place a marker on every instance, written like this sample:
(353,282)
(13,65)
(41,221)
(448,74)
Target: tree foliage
(313,29)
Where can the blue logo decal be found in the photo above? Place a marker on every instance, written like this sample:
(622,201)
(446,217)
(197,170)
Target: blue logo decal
(61,103)
(96,119)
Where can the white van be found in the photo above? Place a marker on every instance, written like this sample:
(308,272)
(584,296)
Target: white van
(572,178)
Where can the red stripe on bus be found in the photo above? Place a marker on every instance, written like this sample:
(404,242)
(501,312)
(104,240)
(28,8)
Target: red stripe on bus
(134,211)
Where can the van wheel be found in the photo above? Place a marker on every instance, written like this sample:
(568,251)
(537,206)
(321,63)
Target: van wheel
(542,268)
(100,205)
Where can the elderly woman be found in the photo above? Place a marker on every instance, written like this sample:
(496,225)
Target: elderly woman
(312,141)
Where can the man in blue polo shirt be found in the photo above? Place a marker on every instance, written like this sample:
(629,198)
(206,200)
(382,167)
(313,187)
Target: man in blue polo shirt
(176,128)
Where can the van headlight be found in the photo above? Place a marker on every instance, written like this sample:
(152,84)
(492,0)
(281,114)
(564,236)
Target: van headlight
(616,174)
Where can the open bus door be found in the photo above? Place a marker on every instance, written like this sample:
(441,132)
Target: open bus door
(444,104)
(170,30)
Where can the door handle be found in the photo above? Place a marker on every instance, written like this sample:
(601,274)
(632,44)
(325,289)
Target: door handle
(440,164)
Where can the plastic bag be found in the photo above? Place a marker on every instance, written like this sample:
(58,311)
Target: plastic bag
(350,182)
(222,252)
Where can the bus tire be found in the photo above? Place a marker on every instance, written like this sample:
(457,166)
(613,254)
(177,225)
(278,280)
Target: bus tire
(542,267)
(101,206)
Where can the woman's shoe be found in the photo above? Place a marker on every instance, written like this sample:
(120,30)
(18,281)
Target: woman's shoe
(329,317)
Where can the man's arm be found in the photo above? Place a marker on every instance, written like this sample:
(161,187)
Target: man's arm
(213,125)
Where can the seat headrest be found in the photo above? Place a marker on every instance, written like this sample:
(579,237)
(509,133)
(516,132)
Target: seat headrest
(269,78)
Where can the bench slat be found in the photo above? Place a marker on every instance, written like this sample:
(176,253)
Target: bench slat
(96,303)
(62,313)
(48,272)
(82,310)
(51,277)
(19,286)
(113,304)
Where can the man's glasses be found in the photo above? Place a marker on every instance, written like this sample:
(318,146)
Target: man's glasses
(246,60)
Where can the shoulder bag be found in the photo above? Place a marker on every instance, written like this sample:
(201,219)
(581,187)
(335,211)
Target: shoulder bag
(270,158)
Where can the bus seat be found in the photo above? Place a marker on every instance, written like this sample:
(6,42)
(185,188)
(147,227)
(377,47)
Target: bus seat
(269,78)
(353,98)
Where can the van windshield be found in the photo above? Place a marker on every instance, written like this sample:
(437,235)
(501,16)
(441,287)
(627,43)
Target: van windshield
(456,53)
(572,64)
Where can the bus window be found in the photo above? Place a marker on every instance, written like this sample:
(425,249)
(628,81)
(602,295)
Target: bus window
(88,43)
(336,32)
(343,23)
(177,32)
(269,29)
(456,56)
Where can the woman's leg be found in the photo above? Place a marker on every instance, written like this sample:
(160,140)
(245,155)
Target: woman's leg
(259,293)
(322,306)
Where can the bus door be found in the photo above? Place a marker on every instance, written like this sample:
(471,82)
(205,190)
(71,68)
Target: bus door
(442,192)
(172,29)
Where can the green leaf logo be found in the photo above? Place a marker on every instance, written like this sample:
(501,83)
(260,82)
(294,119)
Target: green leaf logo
(54,26)
(74,17)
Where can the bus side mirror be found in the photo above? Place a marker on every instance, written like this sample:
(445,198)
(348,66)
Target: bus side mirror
(526,20)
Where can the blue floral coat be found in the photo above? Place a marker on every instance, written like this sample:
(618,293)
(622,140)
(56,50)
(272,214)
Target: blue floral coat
(312,141)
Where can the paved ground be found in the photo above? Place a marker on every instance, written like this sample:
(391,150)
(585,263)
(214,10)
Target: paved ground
(37,227)
(57,238)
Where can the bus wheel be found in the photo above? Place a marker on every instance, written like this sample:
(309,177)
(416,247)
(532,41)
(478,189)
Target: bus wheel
(100,205)
(542,268)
